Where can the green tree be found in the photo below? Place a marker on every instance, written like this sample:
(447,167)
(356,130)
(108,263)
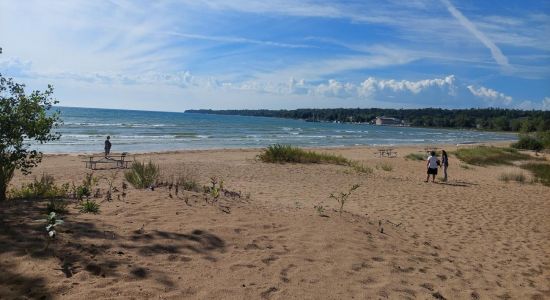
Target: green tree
(23,119)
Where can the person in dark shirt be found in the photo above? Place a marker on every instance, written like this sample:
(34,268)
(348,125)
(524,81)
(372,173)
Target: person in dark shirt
(107,146)
(444,163)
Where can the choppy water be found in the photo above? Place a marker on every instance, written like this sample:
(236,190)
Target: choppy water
(85,129)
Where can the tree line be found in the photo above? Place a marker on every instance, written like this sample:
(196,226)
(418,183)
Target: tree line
(495,119)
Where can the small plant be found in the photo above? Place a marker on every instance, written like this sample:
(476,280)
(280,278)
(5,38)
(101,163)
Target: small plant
(320,209)
(143,175)
(216,187)
(385,166)
(52,221)
(124,188)
(89,206)
(415,156)
(343,197)
(110,182)
(512,176)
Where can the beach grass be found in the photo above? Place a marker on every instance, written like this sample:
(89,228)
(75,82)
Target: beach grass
(289,154)
(484,156)
(540,171)
(142,175)
(385,166)
(415,156)
(43,188)
(512,176)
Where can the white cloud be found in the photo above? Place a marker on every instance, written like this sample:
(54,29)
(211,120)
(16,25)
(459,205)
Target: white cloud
(490,95)
(546,103)
(372,85)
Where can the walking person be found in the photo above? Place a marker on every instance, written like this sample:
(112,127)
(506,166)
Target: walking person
(107,146)
(432,165)
(444,163)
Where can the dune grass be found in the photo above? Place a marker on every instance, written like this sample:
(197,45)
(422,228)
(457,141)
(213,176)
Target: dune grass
(142,175)
(415,156)
(385,166)
(483,155)
(289,154)
(540,171)
(512,176)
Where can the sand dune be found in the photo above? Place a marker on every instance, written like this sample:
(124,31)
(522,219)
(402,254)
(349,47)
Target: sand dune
(474,237)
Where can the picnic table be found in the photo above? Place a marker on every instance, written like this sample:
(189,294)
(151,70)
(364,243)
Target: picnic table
(118,160)
(387,152)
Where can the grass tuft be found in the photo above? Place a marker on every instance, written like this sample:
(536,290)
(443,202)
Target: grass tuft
(483,156)
(415,156)
(385,166)
(142,175)
(89,206)
(540,171)
(512,176)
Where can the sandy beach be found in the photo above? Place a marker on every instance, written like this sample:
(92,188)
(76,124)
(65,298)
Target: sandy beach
(473,237)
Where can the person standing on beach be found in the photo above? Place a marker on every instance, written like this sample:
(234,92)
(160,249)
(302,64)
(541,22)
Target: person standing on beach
(107,146)
(432,166)
(444,163)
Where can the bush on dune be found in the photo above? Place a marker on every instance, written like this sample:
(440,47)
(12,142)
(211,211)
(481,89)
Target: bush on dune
(483,155)
(43,188)
(142,175)
(286,153)
(527,142)
(540,171)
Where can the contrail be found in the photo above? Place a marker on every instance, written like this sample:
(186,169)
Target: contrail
(495,51)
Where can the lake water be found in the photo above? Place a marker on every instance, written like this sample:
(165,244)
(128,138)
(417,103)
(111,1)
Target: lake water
(84,131)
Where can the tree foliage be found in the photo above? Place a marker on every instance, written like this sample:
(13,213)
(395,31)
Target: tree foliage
(23,119)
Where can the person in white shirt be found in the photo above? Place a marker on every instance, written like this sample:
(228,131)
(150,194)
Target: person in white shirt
(432,165)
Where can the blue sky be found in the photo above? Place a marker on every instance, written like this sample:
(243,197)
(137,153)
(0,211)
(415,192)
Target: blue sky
(183,54)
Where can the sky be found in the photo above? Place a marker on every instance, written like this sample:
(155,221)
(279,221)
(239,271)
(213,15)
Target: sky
(175,55)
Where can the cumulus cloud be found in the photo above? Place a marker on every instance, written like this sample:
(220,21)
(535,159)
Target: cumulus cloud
(490,95)
(546,103)
(372,85)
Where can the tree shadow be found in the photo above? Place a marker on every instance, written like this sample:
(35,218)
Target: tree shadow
(84,247)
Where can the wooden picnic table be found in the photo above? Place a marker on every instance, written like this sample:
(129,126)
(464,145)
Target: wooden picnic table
(120,160)
(387,152)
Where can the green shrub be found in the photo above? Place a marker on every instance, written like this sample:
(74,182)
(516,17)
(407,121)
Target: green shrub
(528,142)
(142,175)
(540,171)
(482,155)
(44,188)
(512,176)
(89,206)
(415,156)
(289,154)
